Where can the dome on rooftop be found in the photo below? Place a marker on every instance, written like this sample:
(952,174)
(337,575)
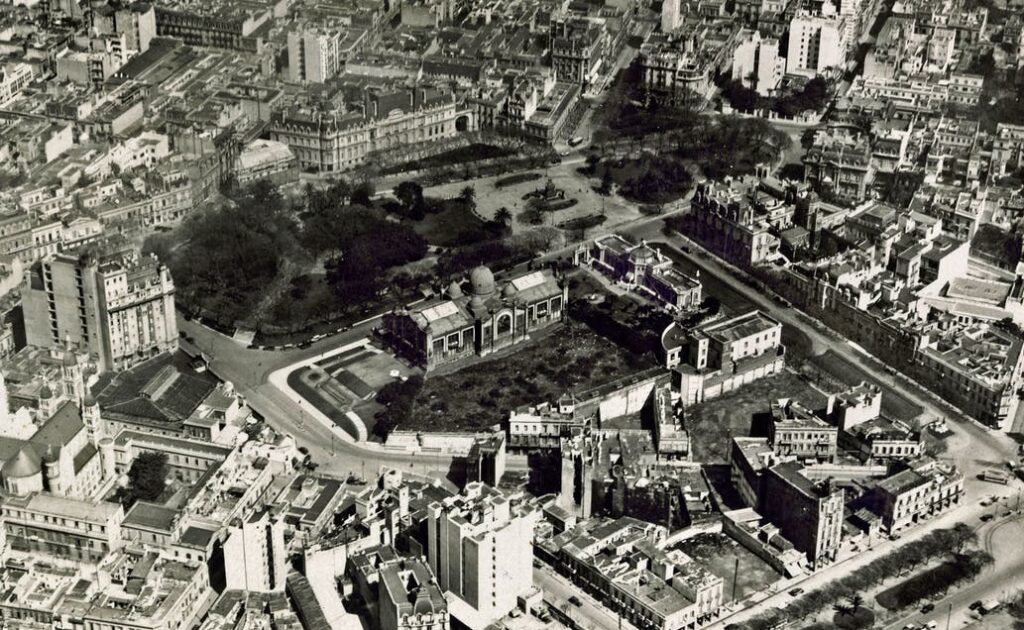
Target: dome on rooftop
(508,291)
(25,464)
(454,290)
(45,393)
(482,281)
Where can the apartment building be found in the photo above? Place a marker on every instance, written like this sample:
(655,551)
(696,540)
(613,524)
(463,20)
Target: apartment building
(816,44)
(257,558)
(717,357)
(62,527)
(917,493)
(403,591)
(796,431)
(108,300)
(727,219)
(479,546)
(808,513)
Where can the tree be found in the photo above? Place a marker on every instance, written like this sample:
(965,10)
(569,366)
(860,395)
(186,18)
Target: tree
(411,195)
(468,194)
(362,194)
(606,183)
(146,477)
(592,161)
(503,216)
(855,601)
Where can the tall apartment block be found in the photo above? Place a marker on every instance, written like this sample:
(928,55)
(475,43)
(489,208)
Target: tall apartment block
(313,55)
(480,547)
(254,553)
(113,303)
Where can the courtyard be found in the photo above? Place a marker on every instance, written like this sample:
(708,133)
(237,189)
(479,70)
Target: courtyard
(712,424)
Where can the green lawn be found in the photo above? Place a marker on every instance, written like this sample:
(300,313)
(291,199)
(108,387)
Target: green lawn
(569,358)
(455,225)
(713,424)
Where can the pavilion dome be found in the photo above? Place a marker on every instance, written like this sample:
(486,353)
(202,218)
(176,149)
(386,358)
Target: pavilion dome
(482,281)
(25,464)
(508,291)
(454,291)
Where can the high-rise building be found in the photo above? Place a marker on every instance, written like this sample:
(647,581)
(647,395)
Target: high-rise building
(109,301)
(816,43)
(254,554)
(669,15)
(480,547)
(313,55)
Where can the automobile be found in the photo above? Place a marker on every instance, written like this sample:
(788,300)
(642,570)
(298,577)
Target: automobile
(932,625)
(927,608)
(910,626)
(575,601)
(987,517)
(796,592)
(975,605)
(537,564)
(304,450)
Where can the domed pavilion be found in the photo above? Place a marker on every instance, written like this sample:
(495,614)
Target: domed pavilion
(477,317)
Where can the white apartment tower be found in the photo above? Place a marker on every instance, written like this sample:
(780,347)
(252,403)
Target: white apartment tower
(314,55)
(480,548)
(815,44)
(255,558)
(669,15)
(115,304)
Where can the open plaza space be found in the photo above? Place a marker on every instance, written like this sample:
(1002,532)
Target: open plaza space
(743,572)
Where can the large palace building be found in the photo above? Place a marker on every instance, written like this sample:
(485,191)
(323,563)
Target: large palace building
(487,319)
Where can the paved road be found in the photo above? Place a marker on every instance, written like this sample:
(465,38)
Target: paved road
(590,613)
(1004,579)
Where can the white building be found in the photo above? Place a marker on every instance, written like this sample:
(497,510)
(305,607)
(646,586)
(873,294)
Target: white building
(757,63)
(669,15)
(313,55)
(480,547)
(255,555)
(816,44)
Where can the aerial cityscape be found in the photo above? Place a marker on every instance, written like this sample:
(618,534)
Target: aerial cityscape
(511,314)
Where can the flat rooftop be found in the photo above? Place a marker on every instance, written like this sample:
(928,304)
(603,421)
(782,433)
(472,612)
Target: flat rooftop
(740,327)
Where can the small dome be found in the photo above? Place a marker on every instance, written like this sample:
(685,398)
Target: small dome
(45,393)
(642,256)
(476,304)
(52,454)
(89,399)
(423,606)
(69,359)
(454,290)
(25,464)
(482,281)
(509,290)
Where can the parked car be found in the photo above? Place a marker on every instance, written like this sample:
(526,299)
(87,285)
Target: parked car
(932,625)
(927,608)
(575,601)
(536,564)
(975,605)
(796,592)
(987,517)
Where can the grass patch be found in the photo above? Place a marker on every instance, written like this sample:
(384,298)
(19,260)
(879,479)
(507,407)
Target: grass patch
(456,224)
(712,424)
(570,357)
(894,404)
(323,405)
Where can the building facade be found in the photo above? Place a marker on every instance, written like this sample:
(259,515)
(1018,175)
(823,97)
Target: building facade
(116,304)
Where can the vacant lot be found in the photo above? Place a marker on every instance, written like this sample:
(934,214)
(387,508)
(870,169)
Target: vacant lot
(894,404)
(570,357)
(741,413)
(719,554)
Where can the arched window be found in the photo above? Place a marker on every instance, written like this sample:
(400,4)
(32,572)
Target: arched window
(504,324)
